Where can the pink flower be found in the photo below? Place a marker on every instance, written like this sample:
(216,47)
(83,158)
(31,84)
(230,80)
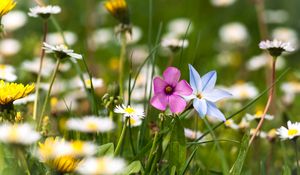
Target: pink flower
(169,91)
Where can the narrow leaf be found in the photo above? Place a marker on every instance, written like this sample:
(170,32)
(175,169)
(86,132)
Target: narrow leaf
(238,164)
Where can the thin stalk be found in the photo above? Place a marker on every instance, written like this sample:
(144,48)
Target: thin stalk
(121,139)
(260,12)
(152,151)
(20,155)
(269,102)
(131,139)
(153,164)
(38,81)
(77,66)
(122,62)
(94,99)
(49,92)
(297,156)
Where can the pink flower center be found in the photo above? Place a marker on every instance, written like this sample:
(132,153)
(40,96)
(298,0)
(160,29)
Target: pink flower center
(168,90)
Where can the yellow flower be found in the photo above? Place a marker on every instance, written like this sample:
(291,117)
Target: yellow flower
(10,92)
(6,6)
(59,161)
(64,164)
(119,9)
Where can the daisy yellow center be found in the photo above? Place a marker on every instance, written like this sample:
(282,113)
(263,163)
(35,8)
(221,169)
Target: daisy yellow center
(228,122)
(244,93)
(53,101)
(101,165)
(13,134)
(2,67)
(77,146)
(168,90)
(88,82)
(132,121)
(258,114)
(292,132)
(92,126)
(129,110)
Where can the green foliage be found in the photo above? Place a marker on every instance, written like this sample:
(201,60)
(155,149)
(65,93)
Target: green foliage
(177,146)
(237,167)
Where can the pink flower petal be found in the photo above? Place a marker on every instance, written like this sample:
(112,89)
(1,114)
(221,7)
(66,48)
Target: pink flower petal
(159,101)
(177,104)
(159,85)
(172,76)
(183,88)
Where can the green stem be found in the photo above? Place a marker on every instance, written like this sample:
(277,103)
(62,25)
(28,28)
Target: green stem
(21,157)
(131,139)
(152,151)
(121,63)
(297,156)
(48,93)
(120,142)
(35,106)
(153,164)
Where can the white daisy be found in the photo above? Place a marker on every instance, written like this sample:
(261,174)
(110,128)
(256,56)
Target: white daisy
(263,60)
(82,149)
(101,38)
(77,82)
(244,124)
(48,66)
(233,33)
(103,165)
(287,35)
(276,47)
(231,124)
(243,90)
(129,111)
(261,134)
(134,121)
(61,51)
(271,134)
(7,72)
(14,20)
(222,3)
(174,44)
(44,11)
(179,27)
(57,38)
(276,16)
(258,115)
(290,90)
(292,130)
(21,134)
(90,124)
(191,134)
(9,47)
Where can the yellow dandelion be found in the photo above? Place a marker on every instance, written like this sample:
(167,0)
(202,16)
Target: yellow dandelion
(9,92)
(118,9)
(54,153)
(65,164)
(6,6)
